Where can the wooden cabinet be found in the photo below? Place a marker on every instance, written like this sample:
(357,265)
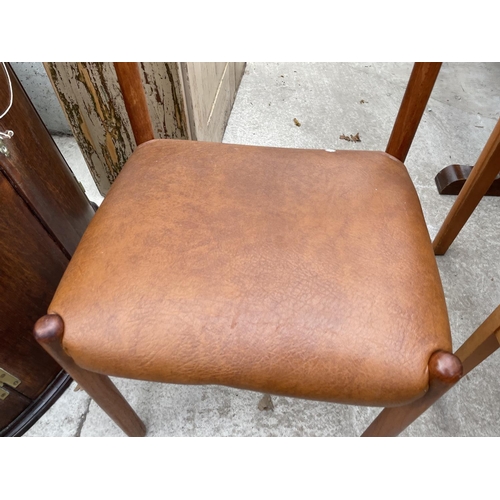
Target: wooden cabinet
(32,266)
(43,214)
(185,101)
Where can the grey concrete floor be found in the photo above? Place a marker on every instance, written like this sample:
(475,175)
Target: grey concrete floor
(326,99)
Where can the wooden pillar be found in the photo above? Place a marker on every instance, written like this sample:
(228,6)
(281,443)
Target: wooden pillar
(418,91)
(91,98)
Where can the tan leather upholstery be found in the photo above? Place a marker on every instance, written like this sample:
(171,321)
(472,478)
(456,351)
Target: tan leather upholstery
(297,272)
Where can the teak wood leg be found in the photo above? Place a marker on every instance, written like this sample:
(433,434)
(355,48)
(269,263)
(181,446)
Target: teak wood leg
(482,343)
(48,332)
(418,91)
(129,79)
(482,176)
(445,369)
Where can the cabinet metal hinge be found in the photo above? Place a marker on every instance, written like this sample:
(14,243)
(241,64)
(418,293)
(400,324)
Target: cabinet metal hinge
(4,149)
(8,379)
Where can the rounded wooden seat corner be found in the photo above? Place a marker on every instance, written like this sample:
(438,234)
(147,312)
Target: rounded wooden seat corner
(305,273)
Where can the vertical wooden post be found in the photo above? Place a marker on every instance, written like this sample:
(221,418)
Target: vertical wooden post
(129,79)
(418,91)
(91,98)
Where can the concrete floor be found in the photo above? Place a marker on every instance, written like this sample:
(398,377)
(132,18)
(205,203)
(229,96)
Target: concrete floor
(326,99)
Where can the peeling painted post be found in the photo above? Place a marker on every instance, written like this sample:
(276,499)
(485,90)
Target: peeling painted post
(91,99)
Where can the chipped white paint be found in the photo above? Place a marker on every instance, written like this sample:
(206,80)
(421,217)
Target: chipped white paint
(192,105)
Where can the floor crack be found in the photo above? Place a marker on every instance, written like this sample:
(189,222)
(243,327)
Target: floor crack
(83,418)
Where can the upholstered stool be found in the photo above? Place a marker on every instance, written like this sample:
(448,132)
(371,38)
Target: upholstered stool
(303,273)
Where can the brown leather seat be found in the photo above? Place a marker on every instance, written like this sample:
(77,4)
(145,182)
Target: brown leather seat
(297,272)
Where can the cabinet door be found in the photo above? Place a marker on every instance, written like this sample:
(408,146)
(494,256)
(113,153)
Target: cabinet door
(210,89)
(12,406)
(39,173)
(31,266)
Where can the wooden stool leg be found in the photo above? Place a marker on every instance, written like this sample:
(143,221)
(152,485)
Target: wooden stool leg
(48,332)
(482,176)
(418,91)
(445,370)
(482,343)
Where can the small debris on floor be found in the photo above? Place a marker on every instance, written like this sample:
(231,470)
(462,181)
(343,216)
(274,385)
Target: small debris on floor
(351,138)
(296,122)
(77,388)
(266,403)
(363,101)
(478,126)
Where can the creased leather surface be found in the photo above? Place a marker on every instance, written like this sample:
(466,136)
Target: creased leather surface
(297,272)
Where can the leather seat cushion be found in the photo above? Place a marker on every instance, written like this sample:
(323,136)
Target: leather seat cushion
(305,273)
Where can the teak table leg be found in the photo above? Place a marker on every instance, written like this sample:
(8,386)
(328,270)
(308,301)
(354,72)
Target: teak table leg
(445,370)
(482,176)
(48,332)
(418,91)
